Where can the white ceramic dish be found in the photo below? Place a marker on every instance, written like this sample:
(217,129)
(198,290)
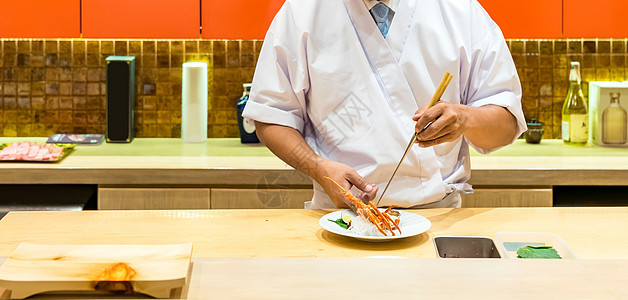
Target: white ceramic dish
(411,224)
(511,241)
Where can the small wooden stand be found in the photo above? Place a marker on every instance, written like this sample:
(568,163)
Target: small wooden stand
(159,271)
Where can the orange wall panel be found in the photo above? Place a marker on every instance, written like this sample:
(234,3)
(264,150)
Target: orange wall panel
(526,18)
(238,19)
(141,19)
(596,19)
(40,19)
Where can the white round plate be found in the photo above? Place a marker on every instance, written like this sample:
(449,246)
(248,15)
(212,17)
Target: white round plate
(411,224)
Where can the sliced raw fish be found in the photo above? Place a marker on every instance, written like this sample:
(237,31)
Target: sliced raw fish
(31,151)
(9,150)
(23,148)
(57,150)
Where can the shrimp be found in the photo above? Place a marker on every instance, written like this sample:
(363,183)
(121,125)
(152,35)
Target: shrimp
(381,220)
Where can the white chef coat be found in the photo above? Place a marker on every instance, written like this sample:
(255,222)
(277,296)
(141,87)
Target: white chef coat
(325,70)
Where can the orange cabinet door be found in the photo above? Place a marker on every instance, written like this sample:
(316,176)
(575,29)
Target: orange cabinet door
(596,19)
(40,19)
(527,18)
(238,19)
(141,19)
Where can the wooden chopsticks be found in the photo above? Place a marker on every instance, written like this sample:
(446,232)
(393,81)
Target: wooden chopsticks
(439,93)
(442,86)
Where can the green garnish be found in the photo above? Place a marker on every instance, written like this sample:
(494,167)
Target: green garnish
(340,223)
(66,146)
(538,252)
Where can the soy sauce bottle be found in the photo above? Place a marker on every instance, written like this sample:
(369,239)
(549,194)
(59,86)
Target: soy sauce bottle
(246,126)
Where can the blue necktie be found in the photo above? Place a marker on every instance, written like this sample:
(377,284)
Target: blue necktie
(380,15)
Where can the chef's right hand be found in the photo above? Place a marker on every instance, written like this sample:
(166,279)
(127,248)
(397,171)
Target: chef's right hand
(347,177)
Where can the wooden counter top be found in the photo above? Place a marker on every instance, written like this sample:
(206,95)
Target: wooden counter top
(398,278)
(228,162)
(350,278)
(284,254)
(594,232)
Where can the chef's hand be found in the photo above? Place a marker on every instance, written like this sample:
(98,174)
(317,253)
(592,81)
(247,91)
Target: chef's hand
(448,123)
(346,177)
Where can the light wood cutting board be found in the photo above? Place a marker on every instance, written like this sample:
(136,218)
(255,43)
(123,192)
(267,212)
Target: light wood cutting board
(155,270)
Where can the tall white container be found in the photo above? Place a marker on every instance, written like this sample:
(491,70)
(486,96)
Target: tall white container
(194,106)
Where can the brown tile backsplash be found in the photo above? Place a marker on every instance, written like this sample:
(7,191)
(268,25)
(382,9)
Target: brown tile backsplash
(543,95)
(58,86)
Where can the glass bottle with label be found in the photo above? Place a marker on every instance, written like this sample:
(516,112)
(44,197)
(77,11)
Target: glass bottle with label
(614,122)
(246,126)
(575,121)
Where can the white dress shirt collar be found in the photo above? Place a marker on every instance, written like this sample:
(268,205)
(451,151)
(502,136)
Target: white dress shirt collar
(392,4)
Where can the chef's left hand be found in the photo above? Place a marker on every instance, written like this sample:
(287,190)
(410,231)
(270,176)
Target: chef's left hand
(448,123)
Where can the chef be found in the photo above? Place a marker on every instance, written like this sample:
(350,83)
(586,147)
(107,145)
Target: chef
(341,86)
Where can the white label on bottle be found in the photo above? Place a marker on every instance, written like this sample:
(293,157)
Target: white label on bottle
(579,129)
(248,125)
(565,130)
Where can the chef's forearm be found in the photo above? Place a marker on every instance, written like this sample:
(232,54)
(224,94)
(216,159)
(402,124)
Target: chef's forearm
(490,126)
(290,146)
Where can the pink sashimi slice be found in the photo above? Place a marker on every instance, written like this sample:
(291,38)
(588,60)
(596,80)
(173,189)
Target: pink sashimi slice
(11,149)
(23,148)
(57,150)
(33,151)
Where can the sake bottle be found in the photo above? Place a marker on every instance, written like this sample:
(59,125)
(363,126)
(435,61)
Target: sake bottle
(575,127)
(614,122)
(246,126)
